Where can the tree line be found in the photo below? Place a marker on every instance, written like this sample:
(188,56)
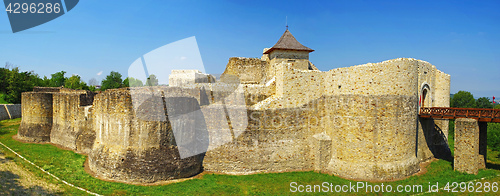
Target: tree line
(464,99)
(13,82)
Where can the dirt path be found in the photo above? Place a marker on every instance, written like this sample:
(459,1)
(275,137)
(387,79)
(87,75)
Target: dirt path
(15,180)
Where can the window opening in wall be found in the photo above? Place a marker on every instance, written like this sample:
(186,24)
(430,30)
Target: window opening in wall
(424,95)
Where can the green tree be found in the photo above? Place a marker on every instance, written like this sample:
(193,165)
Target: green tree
(463,99)
(152,80)
(92,88)
(483,102)
(13,83)
(494,136)
(133,82)
(126,83)
(57,79)
(113,80)
(45,81)
(75,82)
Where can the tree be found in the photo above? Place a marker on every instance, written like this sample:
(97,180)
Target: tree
(75,82)
(126,83)
(13,83)
(463,99)
(93,82)
(493,136)
(57,79)
(113,80)
(133,82)
(92,88)
(152,80)
(484,102)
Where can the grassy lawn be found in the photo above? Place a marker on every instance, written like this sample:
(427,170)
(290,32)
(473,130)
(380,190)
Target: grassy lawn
(68,166)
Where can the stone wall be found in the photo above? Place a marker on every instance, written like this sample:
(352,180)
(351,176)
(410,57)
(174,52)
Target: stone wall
(71,119)
(371,141)
(10,111)
(373,136)
(442,98)
(136,144)
(357,122)
(392,77)
(433,134)
(289,54)
(37,116)
(186,77)
(248,70)
(38,109)
(467,156)
(4,114)
(297,59)
(369,112)
(275,140)
(297,87)
(47,89)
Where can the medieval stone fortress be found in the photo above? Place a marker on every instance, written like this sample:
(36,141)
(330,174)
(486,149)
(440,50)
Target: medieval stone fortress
(274,114)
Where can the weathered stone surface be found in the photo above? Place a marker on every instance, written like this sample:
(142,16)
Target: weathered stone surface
(271,115)
(432,141)
(373,136)
(185,77)
(321,151)
(248,70)
(47,89)
(71,118)
(37,117)
(136,143)
(4,114)
(466,146)
(10,111)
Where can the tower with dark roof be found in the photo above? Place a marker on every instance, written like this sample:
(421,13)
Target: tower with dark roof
(289,50)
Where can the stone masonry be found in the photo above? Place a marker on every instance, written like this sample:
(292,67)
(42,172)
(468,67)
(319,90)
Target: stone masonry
(467,158)
(273,114)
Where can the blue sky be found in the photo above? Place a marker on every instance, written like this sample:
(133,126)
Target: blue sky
(460,37)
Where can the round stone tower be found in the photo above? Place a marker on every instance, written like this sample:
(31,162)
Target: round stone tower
(134,140)
(37,116)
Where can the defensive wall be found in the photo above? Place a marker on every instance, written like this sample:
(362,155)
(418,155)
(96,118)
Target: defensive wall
(10,111)
(356,122)
(368,113)
(137,144)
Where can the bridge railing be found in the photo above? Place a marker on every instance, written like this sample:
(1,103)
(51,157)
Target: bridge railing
(481,114)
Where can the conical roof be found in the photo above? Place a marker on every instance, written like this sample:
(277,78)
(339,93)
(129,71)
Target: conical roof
(288,42)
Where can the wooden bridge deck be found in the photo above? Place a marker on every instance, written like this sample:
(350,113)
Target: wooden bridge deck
(480,114)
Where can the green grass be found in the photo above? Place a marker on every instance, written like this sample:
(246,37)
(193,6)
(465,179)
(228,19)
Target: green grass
(68,165)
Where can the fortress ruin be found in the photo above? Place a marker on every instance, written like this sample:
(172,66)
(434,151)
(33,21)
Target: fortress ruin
(274,114)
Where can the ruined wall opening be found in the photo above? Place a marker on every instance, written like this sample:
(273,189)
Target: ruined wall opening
(424,96)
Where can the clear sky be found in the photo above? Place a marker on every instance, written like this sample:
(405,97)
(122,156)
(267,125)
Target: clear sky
(461,38)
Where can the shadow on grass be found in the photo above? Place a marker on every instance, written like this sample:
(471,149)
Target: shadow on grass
(3,131)
(6,124)
(494,166)
(10,185)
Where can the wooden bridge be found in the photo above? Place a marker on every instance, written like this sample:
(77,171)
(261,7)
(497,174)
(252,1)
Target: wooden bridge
(480,114)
